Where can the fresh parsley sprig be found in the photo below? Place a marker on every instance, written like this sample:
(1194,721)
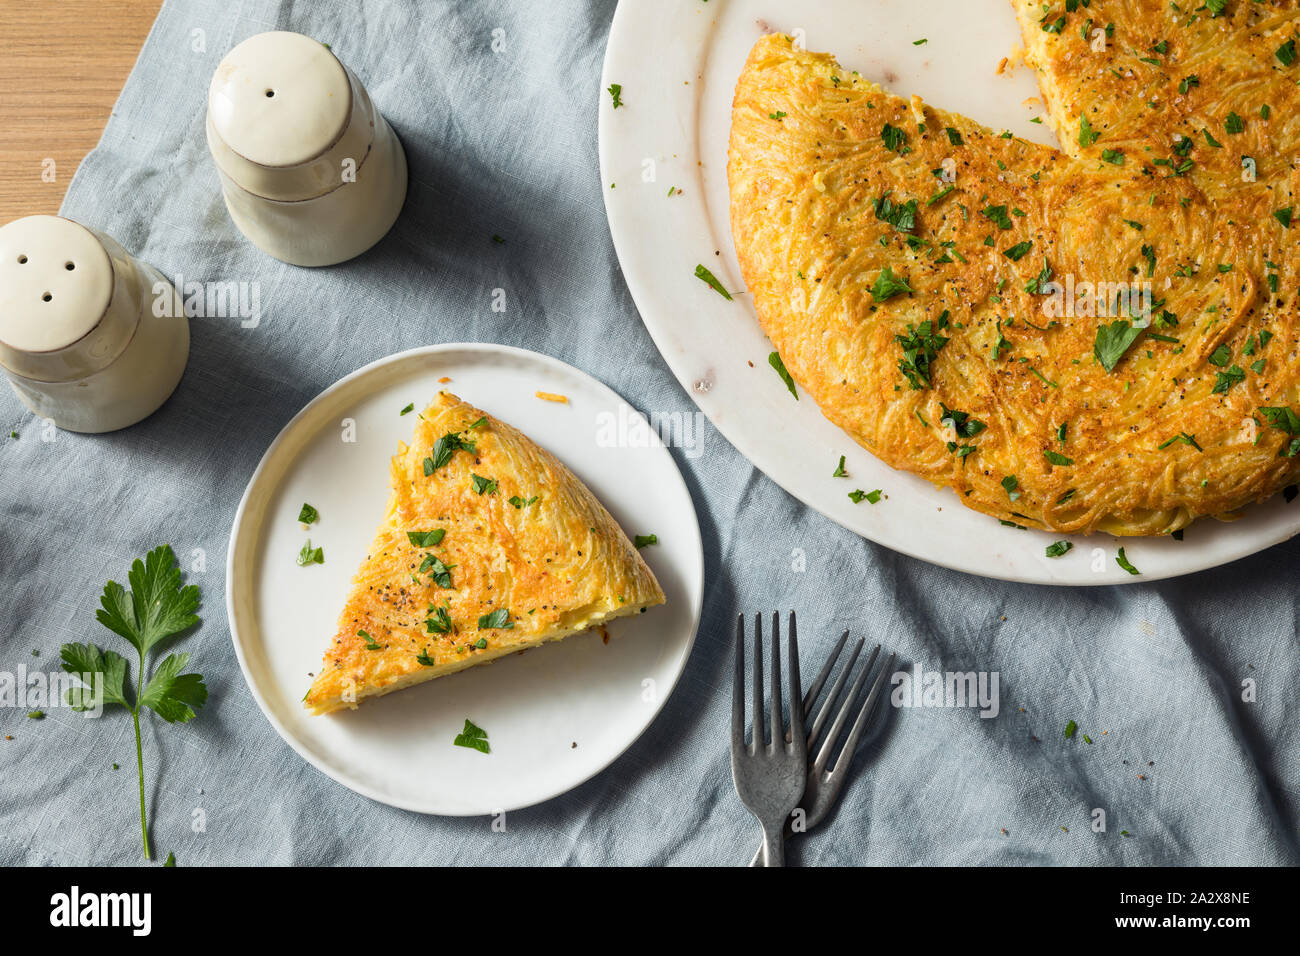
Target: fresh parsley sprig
(156,608)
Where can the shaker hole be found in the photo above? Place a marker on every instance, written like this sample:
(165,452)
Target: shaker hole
(22,260)
(47,297)
(69,266)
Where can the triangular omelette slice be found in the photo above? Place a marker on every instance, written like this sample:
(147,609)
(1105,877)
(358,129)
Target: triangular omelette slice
(489,546)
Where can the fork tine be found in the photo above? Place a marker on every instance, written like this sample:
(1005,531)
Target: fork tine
(824,754)
(796,693)
(758,683)
(738,689)
(850,745)
(816,688)
(774,703)
(831,704)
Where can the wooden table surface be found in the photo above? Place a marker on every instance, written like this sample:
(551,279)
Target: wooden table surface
(62,66)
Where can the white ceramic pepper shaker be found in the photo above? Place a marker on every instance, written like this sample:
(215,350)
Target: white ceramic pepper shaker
(89,336)
(310,170)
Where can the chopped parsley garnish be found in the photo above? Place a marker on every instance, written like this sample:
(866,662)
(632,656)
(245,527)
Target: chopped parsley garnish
(1018,251)
(1002,344)
(961,422)
(408,409)
(1210,140)
(902,216)
(1284,216)
(1056,458)
(888,285)
(1233,124)
(1057,548)
(998,214)
(1286,53)
(641,540)
(371,644)
(1225,380)
(426,539)
(1113,156)
(1288,422)
(615,91)
(954,136)
(963,426)
(704,275)
(424,658)
(438,572)
(309,555)
(921,346)
(1070,728)
(774,360)
(893,138)
(1188,82)
(839,471)
(308,515)
(1113,341)
(497,620)
(438,621)
(1087,135)
(444,448)
(1038,284)
(871,496)
(474,737)
(521,503)
(778,115)
(939,194)
(1124,563)
(1183,437)
(481,485)
(1010,483)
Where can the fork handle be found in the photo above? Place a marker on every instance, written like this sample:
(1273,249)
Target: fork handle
(773,852)
(758,854)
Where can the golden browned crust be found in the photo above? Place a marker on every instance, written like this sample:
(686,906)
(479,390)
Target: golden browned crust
(808,167)
(556,565)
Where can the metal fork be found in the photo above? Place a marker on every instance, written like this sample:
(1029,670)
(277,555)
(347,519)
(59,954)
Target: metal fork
(769,778)
(823,787)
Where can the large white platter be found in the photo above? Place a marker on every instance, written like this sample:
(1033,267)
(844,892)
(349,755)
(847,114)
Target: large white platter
(677,62)
(555,715)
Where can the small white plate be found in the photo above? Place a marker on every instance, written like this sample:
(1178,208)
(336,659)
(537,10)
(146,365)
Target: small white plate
(556,715)
(677,62)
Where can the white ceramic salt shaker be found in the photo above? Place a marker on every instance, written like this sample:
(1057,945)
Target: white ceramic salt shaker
(310,170)
(89,336)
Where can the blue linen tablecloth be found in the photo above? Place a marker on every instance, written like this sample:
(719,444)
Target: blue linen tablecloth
(504,142)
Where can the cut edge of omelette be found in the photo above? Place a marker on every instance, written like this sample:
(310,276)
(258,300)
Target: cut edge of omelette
(494,539)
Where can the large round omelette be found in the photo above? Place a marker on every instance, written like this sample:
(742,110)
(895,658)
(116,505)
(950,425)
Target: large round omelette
(1100,338)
